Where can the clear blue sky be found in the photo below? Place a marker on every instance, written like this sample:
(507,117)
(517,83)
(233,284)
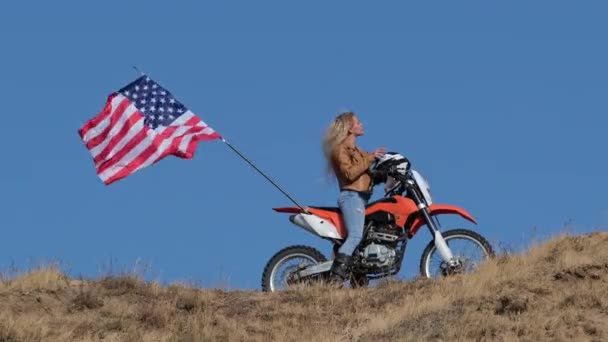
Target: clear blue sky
(501,106)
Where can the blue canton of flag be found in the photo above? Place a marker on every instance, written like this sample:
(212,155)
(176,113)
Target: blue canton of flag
(157,104)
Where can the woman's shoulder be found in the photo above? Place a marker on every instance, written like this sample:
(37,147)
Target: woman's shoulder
(339,150)
(348,151)
(344,148)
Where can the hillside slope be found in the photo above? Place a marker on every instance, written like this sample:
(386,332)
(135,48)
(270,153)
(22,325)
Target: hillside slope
(556,291)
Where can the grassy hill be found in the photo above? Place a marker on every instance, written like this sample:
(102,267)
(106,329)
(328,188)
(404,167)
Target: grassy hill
(556,291)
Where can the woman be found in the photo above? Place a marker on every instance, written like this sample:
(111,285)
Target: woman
(350,165)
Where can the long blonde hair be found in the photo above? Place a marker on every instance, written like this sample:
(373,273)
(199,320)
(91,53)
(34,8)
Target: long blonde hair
(336,133)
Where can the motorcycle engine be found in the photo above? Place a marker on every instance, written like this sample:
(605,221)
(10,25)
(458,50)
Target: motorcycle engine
(378,255)
(381,241)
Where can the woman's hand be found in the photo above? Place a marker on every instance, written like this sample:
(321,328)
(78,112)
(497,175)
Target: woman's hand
(379,152)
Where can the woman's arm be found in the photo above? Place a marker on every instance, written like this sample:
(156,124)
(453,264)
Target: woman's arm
(352,167)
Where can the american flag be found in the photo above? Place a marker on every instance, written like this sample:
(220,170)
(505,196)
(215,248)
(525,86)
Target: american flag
(139,125)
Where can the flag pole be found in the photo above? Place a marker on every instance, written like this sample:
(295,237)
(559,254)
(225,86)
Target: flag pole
(250,163)
(137,69)
(263,174)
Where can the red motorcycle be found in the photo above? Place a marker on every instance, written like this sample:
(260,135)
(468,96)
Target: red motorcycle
(389,223)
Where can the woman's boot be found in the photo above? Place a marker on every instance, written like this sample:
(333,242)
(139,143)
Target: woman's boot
(340,269)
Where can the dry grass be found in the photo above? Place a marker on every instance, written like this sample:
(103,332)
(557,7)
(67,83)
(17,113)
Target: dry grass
(555,292)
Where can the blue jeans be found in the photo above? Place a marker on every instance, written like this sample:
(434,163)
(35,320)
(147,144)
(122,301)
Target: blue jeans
(352,204)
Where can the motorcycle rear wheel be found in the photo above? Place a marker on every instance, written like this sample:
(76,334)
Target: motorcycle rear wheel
(273,278)
(475,239)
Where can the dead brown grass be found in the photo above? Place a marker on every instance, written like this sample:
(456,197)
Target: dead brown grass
(555,292)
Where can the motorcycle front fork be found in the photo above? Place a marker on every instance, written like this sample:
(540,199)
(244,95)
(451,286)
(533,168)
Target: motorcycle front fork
(440,244)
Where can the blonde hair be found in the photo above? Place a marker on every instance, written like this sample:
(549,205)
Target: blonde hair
(336,133)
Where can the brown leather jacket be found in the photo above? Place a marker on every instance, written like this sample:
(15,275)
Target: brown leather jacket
(351,166)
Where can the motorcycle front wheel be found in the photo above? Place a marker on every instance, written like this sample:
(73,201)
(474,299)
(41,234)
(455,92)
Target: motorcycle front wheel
(468,247)
(278,273)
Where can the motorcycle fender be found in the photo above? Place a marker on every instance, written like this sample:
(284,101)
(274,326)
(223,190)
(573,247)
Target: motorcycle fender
(439,209)
(316,225)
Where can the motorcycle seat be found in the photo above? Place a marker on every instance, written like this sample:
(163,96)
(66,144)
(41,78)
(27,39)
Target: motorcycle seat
(332,209)
(337,209)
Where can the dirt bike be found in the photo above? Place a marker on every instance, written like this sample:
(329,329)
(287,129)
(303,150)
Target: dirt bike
(389,223)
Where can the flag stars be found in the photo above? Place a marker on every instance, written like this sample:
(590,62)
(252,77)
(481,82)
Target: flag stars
(159,106)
